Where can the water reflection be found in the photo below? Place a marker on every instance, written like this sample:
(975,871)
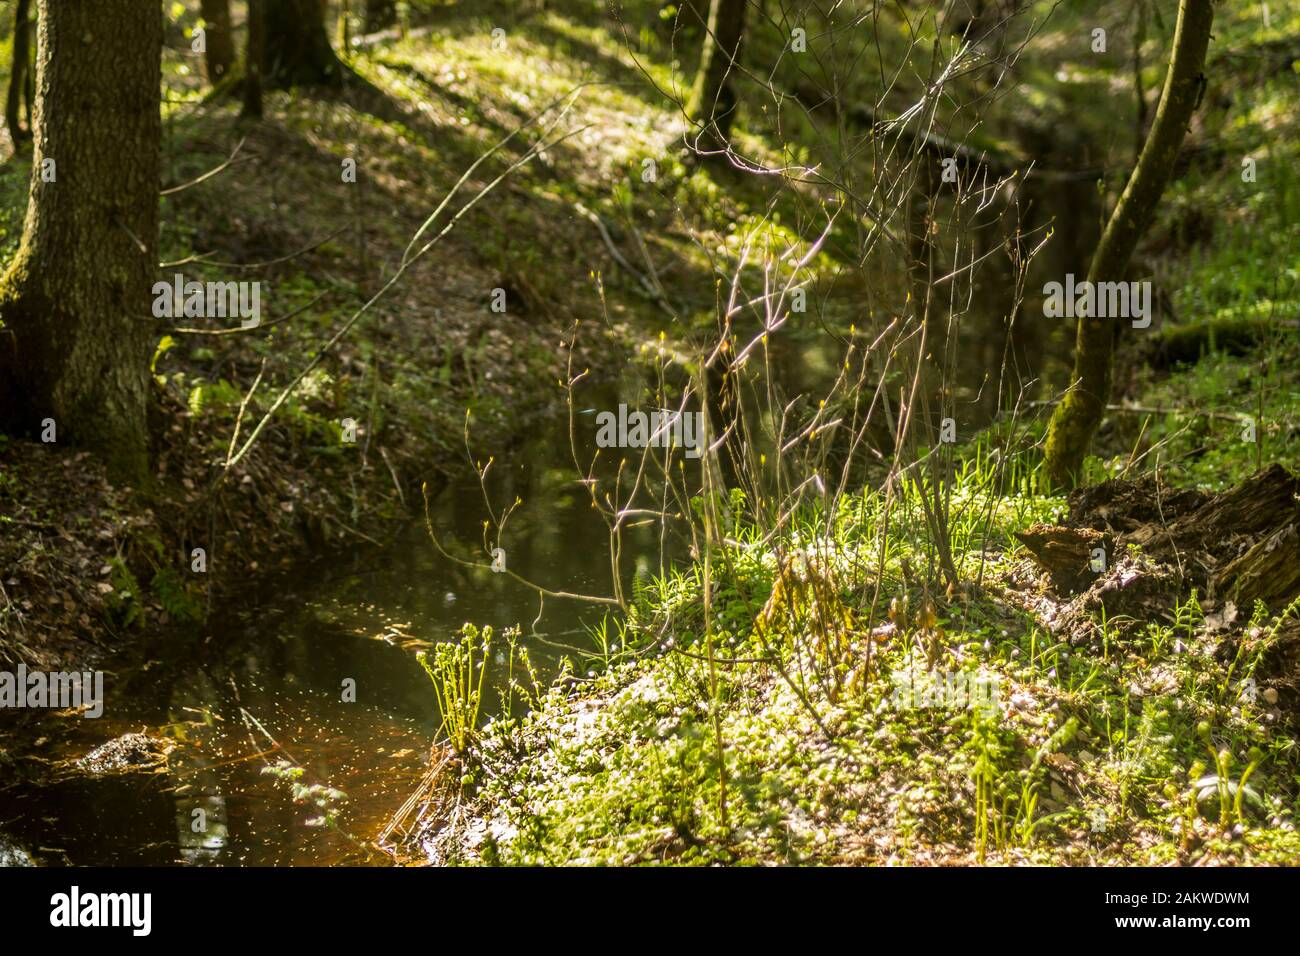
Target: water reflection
(269,684)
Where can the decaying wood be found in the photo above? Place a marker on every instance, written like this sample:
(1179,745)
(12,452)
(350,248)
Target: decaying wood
(1064,553)
(1268,572)
(1241,545)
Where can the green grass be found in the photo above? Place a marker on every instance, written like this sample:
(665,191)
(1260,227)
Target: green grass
(1068,757)
(1143,749)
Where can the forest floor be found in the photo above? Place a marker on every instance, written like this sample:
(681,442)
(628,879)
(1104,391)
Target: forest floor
(1130,721)
(1124,741)
(86,564)
(1141,717)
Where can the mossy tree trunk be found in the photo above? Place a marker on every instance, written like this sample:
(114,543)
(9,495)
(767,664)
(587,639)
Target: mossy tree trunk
(220,43)
(297,46)
(712,103)
(1076,419)
(75,302)
(380,14)
(20,86)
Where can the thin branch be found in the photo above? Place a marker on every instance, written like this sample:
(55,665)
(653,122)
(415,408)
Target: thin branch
(173,190)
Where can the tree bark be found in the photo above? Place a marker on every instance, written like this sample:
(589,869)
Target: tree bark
(254,54)
(1077,417)
(220,53)
(1139,91)
(75,303)
(297,46)
(19,87)
(380,14)
(712,103)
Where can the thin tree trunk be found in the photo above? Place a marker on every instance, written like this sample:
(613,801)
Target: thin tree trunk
(297,46)
(18,76)
(380,14)
(1139,91)
(1077,417)
(712,102)
(220,51)
(254,54)
(75,302)
(29,96)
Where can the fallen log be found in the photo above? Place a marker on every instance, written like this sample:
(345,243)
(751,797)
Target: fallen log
(1268,572)
(1066,554)
(1242,544)
(1185,344)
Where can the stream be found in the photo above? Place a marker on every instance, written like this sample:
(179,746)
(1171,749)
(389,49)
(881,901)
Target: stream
(278,671)
(271,682)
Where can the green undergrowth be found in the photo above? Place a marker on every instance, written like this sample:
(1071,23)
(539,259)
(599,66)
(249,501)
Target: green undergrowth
(419,112)
(971,731)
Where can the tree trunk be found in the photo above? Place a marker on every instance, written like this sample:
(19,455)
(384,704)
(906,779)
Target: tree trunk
(19,87)
(297,46)
(1077,417)
(1139,91)
(254,55)
(75,303)
(220,53)
(712,103)
(380,14)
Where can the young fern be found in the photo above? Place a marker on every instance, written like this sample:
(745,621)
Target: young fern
(457,677)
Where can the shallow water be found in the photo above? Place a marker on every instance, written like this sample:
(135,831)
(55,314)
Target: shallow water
(268,683)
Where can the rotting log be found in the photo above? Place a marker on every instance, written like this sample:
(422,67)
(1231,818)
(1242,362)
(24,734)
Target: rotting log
(1268,572)
(1242,544)
(1176,344)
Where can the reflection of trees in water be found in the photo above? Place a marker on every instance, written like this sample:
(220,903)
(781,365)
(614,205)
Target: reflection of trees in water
(201,839)
(289,682)
(553,538)
(201,821)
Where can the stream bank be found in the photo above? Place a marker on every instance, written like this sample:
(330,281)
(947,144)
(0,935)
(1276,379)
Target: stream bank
(1093,739)
(289,731)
